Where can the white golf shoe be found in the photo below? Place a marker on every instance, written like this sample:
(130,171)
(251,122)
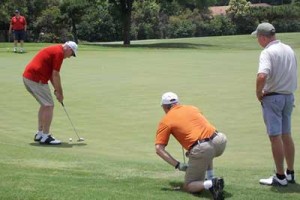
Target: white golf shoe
(274,181)
(38,136)
(290,178)
(48,139)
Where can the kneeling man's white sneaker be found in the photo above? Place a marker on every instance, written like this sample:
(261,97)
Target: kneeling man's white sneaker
(273,180)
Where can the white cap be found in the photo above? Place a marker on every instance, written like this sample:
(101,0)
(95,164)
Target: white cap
(73,46)
(169,98)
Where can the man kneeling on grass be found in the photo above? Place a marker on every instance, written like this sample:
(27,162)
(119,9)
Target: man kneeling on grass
(203,142)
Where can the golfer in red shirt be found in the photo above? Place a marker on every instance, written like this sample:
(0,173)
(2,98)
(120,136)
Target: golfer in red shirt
(43,67)
(19,25)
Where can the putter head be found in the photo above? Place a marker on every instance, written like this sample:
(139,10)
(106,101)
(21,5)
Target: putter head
(80,139)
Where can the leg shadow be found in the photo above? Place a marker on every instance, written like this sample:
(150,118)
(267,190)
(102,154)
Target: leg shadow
(62,145)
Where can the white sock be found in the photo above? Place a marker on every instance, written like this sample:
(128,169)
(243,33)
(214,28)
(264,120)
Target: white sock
(210,174)
(207,184)
(39,132)
(44,137)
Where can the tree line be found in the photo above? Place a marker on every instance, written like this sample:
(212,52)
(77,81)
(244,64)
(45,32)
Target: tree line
(126,20)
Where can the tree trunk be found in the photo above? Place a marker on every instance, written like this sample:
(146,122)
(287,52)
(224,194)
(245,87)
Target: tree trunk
(74,31)
(126,15)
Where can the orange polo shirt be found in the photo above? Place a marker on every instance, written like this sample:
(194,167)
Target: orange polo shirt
(186,124)
(40,68)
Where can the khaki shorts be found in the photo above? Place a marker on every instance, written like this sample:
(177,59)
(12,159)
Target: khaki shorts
(202,155)
(219,143)
(41,92)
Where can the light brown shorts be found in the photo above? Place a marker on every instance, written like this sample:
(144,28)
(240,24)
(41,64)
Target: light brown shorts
(219,143)
(202,155)
(41,92)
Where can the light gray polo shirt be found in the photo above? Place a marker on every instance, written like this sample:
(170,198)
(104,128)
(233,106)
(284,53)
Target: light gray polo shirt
(279,62)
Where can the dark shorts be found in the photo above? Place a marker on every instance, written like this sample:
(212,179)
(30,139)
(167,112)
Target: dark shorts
(19,35)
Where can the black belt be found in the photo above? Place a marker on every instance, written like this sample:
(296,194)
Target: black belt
(205,139)
(272,93)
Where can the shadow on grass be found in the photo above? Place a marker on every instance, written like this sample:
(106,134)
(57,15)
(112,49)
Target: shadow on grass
(174,45)
(178,187)
(3,50)
(291,188)
(20,52)
(62,145)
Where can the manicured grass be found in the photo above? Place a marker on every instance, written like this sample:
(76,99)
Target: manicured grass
(112,95)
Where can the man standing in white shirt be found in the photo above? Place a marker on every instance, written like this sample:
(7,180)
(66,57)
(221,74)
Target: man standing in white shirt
(275,84)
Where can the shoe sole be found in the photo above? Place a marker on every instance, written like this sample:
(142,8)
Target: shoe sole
(217,191)
(273,184)
(221,185)
(278,184)
(36,140)
(292,181)
(44,143)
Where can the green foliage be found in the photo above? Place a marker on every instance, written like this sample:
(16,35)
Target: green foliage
(98,25)
(181,26)
(145,20)
(169,7)
(72,13)
(50,29)
(192,4)
(219,25)
(239,13)
(238,8)
(285,18)
(109,20)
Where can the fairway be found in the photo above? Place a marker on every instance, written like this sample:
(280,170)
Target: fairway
(112,95)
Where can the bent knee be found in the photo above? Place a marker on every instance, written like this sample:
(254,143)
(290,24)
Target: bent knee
(193,187)
(47,107)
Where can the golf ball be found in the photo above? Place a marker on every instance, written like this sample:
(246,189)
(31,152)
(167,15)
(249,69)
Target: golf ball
(70,139)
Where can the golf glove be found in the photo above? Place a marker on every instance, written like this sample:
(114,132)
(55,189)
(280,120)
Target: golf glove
(181,166)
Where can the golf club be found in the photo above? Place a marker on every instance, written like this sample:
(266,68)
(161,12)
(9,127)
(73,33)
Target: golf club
(79,138)
(8,41)
(183,155)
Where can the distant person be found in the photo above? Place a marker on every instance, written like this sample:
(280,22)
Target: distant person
(275,84)
(19,26)
(201,139)
(43,67)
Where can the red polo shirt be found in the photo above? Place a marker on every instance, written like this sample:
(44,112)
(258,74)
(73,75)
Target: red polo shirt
(40,68)
(18,23)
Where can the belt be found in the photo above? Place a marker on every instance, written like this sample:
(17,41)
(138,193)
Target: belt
(272,94)
(205,139)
